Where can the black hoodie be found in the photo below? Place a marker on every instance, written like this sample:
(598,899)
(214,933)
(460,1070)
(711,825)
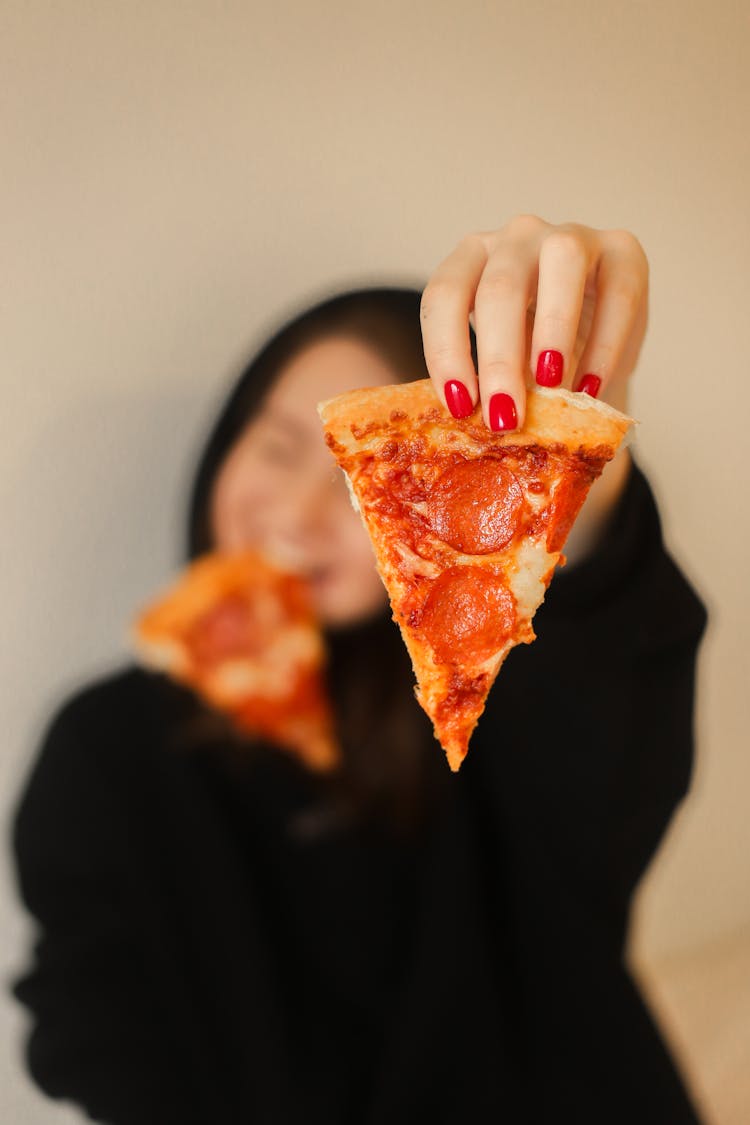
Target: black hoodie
(225,941)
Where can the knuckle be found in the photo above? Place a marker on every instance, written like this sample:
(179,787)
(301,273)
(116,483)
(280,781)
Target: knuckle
(497,285)
(525,224)
(476,240)
(498,369)
(559,319)
(446,359)
(437,294)
(626,243)
(628,290)
(604,357)
(565,245)
(605,352)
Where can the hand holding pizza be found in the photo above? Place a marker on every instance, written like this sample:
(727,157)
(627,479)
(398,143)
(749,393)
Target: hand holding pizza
(565,305)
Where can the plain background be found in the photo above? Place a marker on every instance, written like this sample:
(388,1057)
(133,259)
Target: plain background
(177,176)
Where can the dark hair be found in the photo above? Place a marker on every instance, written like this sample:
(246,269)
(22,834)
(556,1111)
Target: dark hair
(386,319)
(389,751)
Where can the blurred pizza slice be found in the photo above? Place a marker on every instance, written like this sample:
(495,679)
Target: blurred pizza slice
(240,632)
(467,525)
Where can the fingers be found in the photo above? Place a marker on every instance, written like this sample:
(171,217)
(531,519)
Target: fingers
(494,275)
(446,305)
(565,259)
(619,321)
(502,299)
(589,289)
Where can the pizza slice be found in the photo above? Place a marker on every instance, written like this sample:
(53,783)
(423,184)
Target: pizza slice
(467,525)
(241,633)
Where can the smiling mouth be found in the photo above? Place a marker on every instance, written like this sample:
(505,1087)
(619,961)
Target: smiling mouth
(319,576)
(286,556)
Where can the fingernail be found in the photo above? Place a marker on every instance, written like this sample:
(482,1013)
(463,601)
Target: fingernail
(458,399)
(502,411)
(590,385)
(549,369)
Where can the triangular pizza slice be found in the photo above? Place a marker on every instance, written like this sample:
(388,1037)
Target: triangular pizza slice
(467,525)
(240,632)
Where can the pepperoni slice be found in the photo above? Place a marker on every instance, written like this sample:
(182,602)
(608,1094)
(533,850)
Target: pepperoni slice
(223,632)
(476,506)
(468,614)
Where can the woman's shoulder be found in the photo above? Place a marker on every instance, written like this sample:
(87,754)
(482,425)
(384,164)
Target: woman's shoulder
(123,699)
(97,748)
(107,725)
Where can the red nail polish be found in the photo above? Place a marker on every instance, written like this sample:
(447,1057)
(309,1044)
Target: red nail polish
(549,369)
(590,385)
(458,399)
(502,411)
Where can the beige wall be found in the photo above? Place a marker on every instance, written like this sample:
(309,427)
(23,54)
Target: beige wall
(176,173)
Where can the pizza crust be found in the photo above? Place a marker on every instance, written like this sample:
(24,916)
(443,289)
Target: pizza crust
(553,415)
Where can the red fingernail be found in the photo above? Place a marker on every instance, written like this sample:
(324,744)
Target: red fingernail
(458,399)
(549,369)
(502,411)
(590,385)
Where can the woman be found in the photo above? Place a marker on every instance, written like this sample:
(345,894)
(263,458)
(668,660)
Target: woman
(228,939)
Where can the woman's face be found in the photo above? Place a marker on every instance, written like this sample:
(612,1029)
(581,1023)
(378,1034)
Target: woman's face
(279,490)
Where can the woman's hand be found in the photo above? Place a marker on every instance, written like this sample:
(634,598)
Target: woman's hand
(565,305)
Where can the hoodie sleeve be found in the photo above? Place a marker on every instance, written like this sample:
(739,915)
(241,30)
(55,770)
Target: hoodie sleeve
(589,731)
(108,1030)
(586,754)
